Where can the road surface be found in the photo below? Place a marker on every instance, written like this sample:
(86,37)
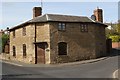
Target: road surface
(100,69)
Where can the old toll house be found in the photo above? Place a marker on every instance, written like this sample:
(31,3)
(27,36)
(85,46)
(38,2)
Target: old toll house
(53,38)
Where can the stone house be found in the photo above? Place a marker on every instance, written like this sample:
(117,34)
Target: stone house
(54,38)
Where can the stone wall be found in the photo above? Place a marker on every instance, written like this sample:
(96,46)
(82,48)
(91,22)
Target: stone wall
(81,45)
(108,46)
(6,49)
(43,35)
(100,40)
(18,42)
(4,56)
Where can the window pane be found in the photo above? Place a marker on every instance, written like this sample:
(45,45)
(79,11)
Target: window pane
(84,28)
(62,26)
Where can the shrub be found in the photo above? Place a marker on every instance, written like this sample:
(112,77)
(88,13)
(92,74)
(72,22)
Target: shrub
(4,39)
(115,38)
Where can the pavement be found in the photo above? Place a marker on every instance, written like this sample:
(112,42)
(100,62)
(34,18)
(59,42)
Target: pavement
(22,64)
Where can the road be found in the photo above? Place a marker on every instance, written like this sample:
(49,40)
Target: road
(100,69)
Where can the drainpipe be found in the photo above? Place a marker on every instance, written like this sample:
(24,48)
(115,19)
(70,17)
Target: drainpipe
(35,46)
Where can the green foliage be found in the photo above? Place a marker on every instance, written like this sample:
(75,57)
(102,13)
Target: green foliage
(4,39)
(118,28)
(115,38)
(114,32)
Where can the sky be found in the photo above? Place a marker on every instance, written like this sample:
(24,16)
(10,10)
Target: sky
(13,13)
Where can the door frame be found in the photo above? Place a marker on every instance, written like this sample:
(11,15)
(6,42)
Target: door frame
(36,44)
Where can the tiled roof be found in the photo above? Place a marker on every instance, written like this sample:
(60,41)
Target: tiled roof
(57,18)
(63,18)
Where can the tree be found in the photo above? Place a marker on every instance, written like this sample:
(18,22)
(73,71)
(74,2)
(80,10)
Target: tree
(115,38)
(5,38)
(118,28)
(114,32)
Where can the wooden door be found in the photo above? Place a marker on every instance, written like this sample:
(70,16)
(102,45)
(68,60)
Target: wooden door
(41,53)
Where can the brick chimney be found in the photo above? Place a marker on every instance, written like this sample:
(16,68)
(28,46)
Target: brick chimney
(98,14)
(37,11)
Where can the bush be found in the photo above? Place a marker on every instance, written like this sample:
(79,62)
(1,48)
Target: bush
(4,39)
(115,38)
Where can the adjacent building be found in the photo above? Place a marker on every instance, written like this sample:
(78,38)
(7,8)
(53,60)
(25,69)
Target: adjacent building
(55,38)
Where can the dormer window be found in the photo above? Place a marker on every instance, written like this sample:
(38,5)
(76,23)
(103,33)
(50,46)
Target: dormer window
(62,26)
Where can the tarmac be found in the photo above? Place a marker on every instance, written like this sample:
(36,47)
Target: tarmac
(22,64)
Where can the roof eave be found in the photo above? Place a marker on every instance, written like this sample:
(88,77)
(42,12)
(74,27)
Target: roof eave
(24,24)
